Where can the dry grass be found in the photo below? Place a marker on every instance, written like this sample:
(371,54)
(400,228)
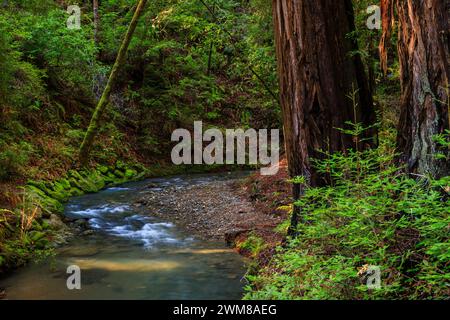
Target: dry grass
(29,210)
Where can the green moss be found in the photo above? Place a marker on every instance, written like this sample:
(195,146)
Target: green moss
(51,195)
(140,176)
(103,169)
(74,191)
(58,192)
(138,167)
(83,183)
(38,184)
(109,178)
(45,225)
(120,165)
(95,178)
(65,184)
(38,239)
(36,235)
(119,174)
(130,173)
(47,203)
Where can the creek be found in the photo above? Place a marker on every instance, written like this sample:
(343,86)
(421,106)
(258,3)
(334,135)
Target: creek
(131,255)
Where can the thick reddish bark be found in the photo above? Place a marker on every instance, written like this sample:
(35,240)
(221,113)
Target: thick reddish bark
(423,49)
(316,74)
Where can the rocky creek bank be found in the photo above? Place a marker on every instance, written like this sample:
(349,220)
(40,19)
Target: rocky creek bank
(211,210)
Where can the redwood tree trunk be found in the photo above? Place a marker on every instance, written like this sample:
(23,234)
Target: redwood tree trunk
(423,49)
(316,74)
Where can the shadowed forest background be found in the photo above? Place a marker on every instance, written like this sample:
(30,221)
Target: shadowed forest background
(366,128)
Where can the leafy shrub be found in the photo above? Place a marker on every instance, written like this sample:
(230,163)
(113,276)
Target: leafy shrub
(13,158)
(372,214)
(252,244)
(68,54)
(20,81)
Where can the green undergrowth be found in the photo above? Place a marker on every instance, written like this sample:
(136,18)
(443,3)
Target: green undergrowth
(252,245)
(28,232)
(372,215)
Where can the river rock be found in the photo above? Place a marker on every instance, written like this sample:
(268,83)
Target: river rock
(88,233)
(141,201)
(55,222)
(82,223)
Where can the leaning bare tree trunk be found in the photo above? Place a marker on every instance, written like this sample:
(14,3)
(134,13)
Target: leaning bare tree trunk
(316,73)
(96,20)
(423,49)
(103,102)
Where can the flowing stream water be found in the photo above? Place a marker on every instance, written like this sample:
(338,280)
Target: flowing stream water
(131,255)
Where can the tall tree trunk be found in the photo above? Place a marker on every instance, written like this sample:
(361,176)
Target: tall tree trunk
(211,46)
(423,49)
(96,21)
(316,73)
(103,102)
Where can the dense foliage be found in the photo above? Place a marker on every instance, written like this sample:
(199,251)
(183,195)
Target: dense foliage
(373,214)
(184,64)
(210,60)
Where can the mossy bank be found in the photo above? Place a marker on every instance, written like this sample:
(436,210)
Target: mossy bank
(36,225)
